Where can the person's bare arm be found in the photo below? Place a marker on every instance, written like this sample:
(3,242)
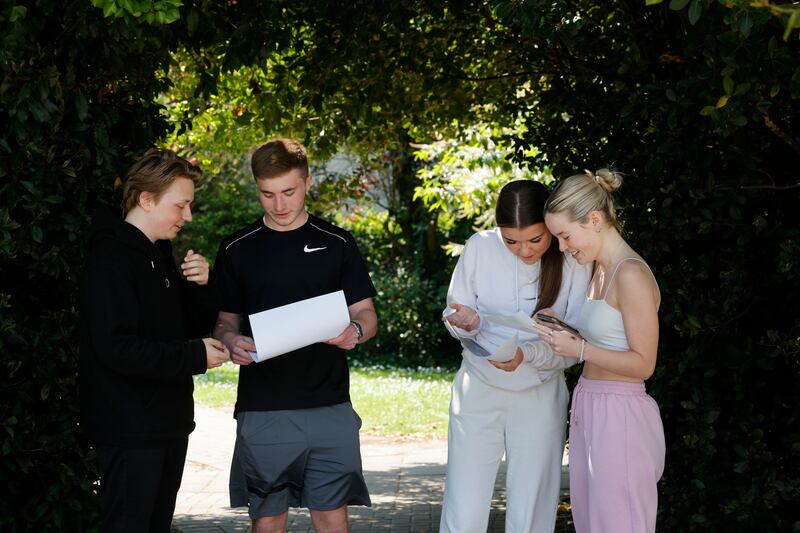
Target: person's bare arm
(638,305)
(227,330)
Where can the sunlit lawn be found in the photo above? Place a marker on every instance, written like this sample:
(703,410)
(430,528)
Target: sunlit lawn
(390,402)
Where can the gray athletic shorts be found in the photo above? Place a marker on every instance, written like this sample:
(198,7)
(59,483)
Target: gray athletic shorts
(297,458)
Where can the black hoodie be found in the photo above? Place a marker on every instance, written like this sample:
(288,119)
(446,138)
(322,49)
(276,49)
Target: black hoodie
(137,316)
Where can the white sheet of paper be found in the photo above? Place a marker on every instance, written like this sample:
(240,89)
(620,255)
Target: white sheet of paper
(289,327)
(518,320)
(506,351)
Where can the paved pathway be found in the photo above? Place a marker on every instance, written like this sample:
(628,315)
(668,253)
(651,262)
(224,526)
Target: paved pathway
(405,480)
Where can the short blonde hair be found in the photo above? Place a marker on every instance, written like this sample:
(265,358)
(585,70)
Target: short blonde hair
(154,173)
(581,194)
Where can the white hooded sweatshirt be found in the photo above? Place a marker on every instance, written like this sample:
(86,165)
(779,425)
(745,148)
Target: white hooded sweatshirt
(492,280)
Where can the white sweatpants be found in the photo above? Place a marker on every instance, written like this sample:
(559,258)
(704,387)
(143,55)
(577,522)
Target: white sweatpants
(486,422)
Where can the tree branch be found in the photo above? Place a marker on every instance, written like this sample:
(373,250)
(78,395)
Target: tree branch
(774,187)
(498,76)
(782,135)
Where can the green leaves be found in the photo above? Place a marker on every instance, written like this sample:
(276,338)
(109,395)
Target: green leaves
(727,84)
(81,105)
(745,23)
(151,11)
(793,22)
(18,13)
(76,105)
(461,177)
(695,10)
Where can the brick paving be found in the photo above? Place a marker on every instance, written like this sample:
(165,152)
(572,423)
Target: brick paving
(405,479)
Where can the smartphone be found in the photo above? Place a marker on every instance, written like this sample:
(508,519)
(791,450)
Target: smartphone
(559,324)
(469,344)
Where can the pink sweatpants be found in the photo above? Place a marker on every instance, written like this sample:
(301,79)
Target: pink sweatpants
(616,457)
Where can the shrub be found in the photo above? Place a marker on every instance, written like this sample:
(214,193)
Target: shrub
(699,106)
(409,304)
(76,107)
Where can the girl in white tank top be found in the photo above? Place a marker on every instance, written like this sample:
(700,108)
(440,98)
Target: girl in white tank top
(616,436)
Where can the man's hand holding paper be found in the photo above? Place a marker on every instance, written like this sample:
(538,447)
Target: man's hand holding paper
(346,340)
(284,329)
(239,346)
(243,350)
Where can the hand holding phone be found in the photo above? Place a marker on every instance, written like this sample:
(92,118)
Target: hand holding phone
(555,323)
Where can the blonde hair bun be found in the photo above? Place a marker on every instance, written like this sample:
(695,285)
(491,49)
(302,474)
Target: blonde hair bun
(609,180)
(579,195)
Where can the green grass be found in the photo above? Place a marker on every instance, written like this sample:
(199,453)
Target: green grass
(390,402)
(217,388)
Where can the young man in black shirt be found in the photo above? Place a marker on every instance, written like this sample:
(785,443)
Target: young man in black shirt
(297,439)
(141,323)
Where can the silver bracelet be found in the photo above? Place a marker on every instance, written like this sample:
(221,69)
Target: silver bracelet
(583,347)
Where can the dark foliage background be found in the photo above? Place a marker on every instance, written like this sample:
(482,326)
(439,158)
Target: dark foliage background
(704,119)
(77,105)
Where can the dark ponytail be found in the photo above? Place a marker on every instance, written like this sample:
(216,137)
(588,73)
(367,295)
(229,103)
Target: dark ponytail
(519,205)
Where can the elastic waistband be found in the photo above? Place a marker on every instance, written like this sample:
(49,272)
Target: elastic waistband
(611,387)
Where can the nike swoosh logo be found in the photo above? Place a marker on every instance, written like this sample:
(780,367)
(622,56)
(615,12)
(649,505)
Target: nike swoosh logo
(307,250)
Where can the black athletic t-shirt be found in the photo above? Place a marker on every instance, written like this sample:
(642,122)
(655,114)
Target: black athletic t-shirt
(258,268)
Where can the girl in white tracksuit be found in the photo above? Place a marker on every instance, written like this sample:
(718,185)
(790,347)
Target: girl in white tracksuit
(517,408)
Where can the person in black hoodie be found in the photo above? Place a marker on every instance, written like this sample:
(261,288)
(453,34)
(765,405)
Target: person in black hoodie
(138,319)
